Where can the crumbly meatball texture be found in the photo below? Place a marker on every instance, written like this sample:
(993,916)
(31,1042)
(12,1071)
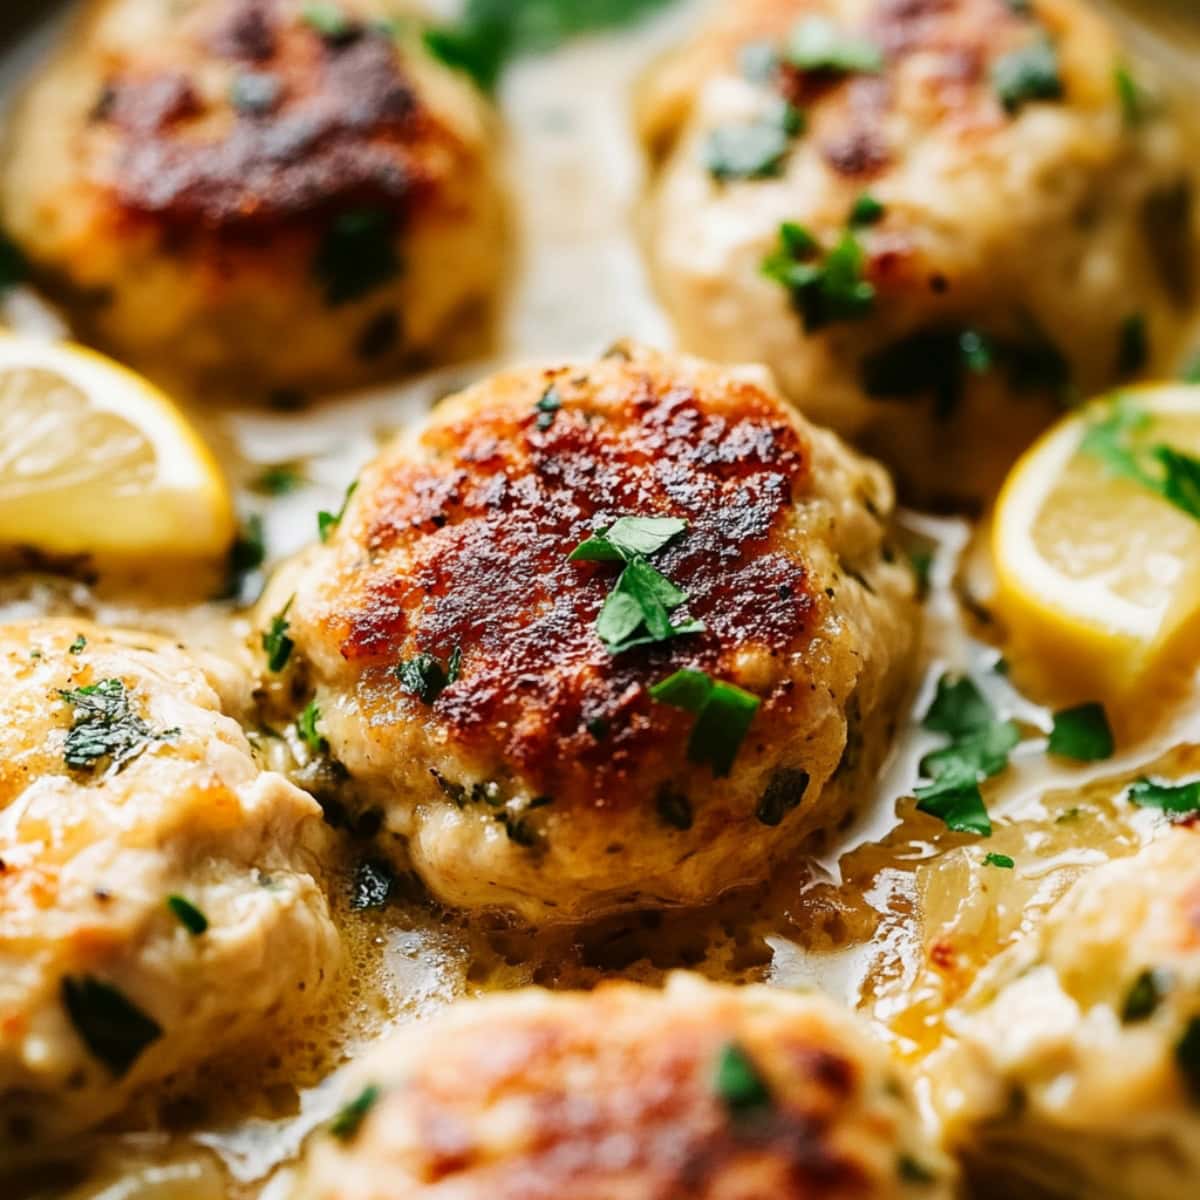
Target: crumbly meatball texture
(703,1091)
(234,187)
(132,815)
(1077,1056)
(539,774)
(1025,251)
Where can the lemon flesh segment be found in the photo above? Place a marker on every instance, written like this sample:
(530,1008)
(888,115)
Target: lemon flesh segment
(95,460)
(1099,576)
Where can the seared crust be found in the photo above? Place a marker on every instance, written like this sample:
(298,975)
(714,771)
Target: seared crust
(1042,227)
(184,175)
(532,1096)
(456,545)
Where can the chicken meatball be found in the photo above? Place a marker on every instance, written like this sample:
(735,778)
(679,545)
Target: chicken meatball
(604,635)
(1076,1063)
(934,221)
(157,895)
(293,194)
(709,1092)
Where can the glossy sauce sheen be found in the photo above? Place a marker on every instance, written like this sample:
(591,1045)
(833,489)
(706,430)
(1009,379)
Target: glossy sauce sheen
(890,922)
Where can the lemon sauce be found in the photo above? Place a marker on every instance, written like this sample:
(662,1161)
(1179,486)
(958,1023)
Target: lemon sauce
(895,919)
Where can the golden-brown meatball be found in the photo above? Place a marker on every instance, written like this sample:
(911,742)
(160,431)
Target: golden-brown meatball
(157,895)
(1027,234)
(455,646)
(708,1092)
(238,187)
(1076,1058)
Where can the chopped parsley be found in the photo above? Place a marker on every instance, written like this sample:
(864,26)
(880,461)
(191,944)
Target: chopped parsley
(112,1027)
(823,289)
(817,44)
(105,725)
(350,1116)
(246,555)
(1029,74)
(1144,996)
(279,479)
(978,749)
(547,407)
(372,884)
(78,645)
(1133,345)
(754,149)
(1187,1056)
(1082,733)
(1174,799)
(723,715)
(489,34)
(1160,468)
(1133,107)
(306,727)
(912,1170)
(275,641)
(638,609)
(356,255)
(425,676)
(327,522)
(328,20)
(738,1083)
(188,915)
(866,211)
(1003,861)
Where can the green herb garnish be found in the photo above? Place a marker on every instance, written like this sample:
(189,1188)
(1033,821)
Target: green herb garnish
(638,609)
(723,715)
(1028,74)
(1160,468)
(754,149)
(1133,110)
(372,885)
(1144,996)
(356,255)
(1082,733)
(350,1116)
(328,20)
(1175,799)
(823,290)
(275,640)
(817,44)
(547,406)
(112,1027)
(78,645)
(738,1083)
(188,915)
(425,677)
(327,522)
(246,555)
(866,211)
(279,479)
(306,727)
(998,860)
(106,726)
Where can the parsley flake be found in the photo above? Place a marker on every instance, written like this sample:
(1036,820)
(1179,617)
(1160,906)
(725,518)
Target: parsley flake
(78,645)
(106,726)
(723,715)
(817,44)
(1144,995)
(547,406)
(372,884)
(1133,107)
(1082,733)
(738,1083)
(823,290)
(998,860)
(328,20)
(425,677)
(350,1116)
(279,479)
(866,211)
(306,727)
(754,149)
(188,915)
(1176,800)
(327,522)
(275,640)
(112,1027)
(1026,75)
(356,256)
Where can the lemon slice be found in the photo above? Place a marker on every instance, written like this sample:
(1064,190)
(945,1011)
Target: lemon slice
(95,460)
(1098,571)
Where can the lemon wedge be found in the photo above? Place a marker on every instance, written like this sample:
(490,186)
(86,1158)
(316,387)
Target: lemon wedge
(95,460)
(1096,546)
